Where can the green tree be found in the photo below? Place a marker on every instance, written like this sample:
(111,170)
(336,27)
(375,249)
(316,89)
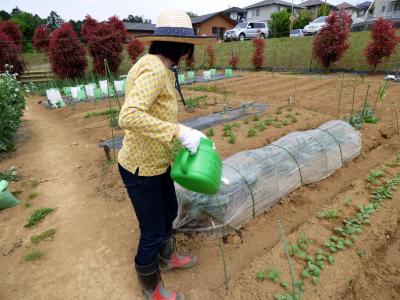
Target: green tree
(279,24)
(15,11)
(27,23)
(136,19)
(324,10)
(4,15)
(192,14)
(54,20)
(302,20)
(77,26)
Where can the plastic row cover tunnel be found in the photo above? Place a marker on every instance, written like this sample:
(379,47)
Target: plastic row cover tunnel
(259,178)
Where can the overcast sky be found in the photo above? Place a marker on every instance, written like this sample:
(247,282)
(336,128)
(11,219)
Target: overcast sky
(102,9)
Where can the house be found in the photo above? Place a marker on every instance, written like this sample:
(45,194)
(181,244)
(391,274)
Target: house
(235,13)
(351,9)
(136,29)
(385,9)
(262,11)
(214,24)
(362,8)
(313,6)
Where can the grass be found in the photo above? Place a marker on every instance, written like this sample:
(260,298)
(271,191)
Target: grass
(45,235)
(35,183)
(252,132)
(33,255)
(210,132)
(38,216)
(32,195)
(329,214)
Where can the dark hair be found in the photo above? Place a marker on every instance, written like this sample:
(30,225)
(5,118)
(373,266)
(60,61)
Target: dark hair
(173,51)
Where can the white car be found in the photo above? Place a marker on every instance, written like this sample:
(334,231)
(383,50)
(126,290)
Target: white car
(297,33)
(247,30)
(315,25)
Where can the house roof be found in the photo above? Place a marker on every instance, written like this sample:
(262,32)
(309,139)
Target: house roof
(271,2)
(233,9)
(365,4)
(203,18)
(309,3)
(139,26)
(345,5)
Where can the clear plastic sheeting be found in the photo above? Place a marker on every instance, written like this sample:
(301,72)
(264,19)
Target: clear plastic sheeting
(258,178)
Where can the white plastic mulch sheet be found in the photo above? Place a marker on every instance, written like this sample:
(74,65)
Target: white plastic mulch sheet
(259,178)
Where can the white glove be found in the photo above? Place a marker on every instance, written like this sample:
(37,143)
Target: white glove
(190,138)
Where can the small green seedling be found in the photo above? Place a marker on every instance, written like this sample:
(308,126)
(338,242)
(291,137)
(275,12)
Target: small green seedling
(256,118)
(261,276)
(277,124)
(46,235)
(285,122)
(328,214)
(278,112)
(374,175)
(273,274)
(37,216)
(347,201)
(252,132)
(227,129)
(35,183)
(269,121)
(32,195)
(210,132)
(33,255)
(284,284)
(261,125)
(232,138)
(361,252)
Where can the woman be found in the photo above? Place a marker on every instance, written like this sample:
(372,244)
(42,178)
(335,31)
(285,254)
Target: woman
(149,118)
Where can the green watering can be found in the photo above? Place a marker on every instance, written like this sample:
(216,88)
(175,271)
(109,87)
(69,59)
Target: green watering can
(7,200)
(200,172)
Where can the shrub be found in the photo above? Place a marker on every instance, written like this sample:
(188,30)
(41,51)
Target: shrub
(41,38)
(12,104)
(10,55)
(258,54)
(119,28)
(234,61)
(66,53)
(302,20)
(211,56)
(279,23)
(135,48)
(332,40)
(105,42)
(324,10)
(12,30)
(383,42)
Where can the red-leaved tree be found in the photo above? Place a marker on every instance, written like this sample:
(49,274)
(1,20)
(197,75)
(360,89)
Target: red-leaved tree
(12,30)
(10,55)
(105,42)
(234,61)
(258,54)
(66,53)
(135,48)
(383,43)
(41,38)
(331,42)
(190,62)
(211,56)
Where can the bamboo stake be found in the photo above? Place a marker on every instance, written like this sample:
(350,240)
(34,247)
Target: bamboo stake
(221,249)
(352,105)
(340,95)
(365,101)
(292,276)
(295,86)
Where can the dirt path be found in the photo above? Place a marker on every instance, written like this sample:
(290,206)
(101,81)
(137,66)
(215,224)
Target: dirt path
(84,261)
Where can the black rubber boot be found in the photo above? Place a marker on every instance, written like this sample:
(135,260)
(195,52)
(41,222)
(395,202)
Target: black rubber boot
(152,287)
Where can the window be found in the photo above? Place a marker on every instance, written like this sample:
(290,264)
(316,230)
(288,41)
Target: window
(396,6)
(279,8)
(259,25)
(383,8)
(257,12)
(215,31)
(250,25)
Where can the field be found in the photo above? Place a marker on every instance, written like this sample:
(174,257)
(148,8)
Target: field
(89,254)
(283,52)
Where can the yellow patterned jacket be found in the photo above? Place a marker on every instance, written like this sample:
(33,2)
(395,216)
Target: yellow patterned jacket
(149,117)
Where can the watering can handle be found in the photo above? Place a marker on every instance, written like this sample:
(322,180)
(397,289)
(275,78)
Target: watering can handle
(184,161)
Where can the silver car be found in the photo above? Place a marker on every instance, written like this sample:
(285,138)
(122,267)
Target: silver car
(247,30)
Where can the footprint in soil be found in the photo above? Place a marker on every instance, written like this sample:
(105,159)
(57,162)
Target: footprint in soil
(14,247)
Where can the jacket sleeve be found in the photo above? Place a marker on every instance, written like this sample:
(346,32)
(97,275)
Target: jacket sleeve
(142,94)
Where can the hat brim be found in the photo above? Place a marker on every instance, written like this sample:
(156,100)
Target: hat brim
(200,40)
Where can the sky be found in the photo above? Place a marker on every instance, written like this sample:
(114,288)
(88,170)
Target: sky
(103,9)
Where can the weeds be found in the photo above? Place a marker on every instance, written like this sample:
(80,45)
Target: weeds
(32,195)
(210,132)
(232,138)
(285,122)
(261,125)
(35,183)
(9,175)
(329,214)
(37,216)
(102,113)
(347,201)
(374,175)
(33,255)
(46,235)
(256,118)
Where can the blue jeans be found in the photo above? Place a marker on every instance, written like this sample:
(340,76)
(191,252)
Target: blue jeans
(154,201)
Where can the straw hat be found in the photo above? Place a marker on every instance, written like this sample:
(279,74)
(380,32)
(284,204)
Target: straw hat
(174,25)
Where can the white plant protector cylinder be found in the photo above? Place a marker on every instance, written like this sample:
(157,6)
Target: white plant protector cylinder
(104,86)
(207,75)
(89,88)
(119,85)
(74,92)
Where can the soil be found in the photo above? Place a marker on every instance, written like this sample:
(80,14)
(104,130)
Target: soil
(91,255)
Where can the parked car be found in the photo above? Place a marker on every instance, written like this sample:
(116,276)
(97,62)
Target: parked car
(247,30)
(315,26)
(297,33)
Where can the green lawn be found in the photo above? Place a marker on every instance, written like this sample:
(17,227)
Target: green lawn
(279,52)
